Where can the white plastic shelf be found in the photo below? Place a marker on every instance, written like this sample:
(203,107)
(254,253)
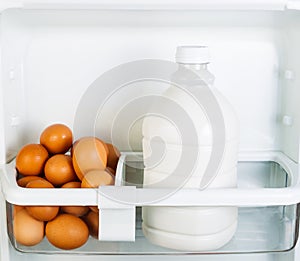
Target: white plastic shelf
(267,192)
(242,197)
(153,4)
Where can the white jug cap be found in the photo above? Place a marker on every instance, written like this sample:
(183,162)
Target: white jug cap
(192,54)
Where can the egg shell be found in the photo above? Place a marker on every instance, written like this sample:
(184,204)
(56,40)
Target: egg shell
(59,169)
(42,213)
(22,182)
(16,209)
(39,183)
(106,148)
(57,138)
(96,178)
(74,210)
(73,147)
(27,230)
(77,211)
(92,221)
(88,154)
(67,232)
(31,159)
(72,184)
(94,209)
(110,170)
(113,156)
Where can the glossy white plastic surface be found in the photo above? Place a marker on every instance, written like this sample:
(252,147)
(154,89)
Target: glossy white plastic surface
(76,47)
(116,221)
(87,38)
(255,173)
(187,197)
(146,4)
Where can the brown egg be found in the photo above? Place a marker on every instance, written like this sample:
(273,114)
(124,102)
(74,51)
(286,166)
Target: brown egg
(104,144)
(67,232)
(59,169)
(94,209)
(22,182)
(16,209)
(111,171)
(96,178)
(74,210)
(27,230)
(41,213)
(31,159)
(106,148)
(39,183)
(89,153)
(92,221)
(57,138)
(77,211)
(72,184)
(73,146)
(113,156)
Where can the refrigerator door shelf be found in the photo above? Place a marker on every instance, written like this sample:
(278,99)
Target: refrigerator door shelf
(261,227)
(240,196)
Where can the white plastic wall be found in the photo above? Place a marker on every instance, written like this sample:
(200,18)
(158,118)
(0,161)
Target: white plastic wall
(49,58)
(290,85)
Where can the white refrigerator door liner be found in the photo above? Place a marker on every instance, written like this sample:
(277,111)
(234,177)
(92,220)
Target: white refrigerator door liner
(50,55)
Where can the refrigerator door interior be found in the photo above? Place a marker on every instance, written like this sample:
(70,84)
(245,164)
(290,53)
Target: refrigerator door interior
(51,53)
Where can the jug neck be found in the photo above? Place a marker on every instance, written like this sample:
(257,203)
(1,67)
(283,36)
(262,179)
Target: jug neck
(202,71)
(196,67)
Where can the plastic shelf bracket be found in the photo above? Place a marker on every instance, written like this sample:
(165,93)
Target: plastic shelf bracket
(116,217)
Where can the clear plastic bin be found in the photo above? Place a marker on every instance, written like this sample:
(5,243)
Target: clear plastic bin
(263,228)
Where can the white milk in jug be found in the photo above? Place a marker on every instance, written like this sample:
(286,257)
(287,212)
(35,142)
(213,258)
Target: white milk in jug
(189,228)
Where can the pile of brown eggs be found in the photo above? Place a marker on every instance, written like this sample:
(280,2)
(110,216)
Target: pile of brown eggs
(90,164)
